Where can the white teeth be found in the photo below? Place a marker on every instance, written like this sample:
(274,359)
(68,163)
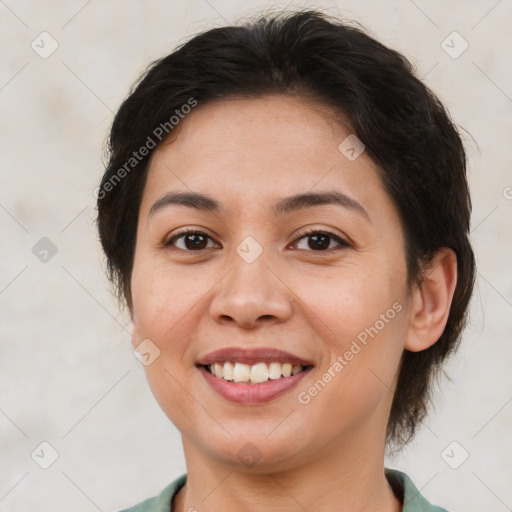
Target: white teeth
(259,372)
(287,369)
(227,372)
(274,371)
(253,374)
(296,369)
(241,372)
(217,369)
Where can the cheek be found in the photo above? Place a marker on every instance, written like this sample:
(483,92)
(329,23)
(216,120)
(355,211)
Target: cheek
(358,381)
(156,307)
(158,295)
(350,300)
(168,303)
(361,317)
(164,313)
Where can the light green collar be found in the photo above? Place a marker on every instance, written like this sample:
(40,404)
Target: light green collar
(401,484)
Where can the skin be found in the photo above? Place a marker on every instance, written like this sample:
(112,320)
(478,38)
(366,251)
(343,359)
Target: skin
(329,453)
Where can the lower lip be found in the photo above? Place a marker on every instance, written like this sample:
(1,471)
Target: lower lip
(252,393)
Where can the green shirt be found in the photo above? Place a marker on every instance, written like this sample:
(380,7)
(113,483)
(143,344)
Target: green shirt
(401,484)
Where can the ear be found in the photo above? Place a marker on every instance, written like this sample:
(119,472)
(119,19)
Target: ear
(431,301)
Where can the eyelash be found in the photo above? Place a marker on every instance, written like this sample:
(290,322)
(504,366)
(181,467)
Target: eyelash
(343,243)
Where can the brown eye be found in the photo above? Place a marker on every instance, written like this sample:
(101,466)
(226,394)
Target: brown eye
(320,241)
(192,240)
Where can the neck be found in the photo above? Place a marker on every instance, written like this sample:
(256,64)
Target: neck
(346,478)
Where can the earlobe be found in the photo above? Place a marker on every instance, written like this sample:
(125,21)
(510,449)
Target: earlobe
(431,301)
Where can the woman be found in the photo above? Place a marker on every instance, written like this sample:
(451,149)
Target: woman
(285,212)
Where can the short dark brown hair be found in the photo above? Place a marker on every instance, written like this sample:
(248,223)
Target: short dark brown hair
(405,129)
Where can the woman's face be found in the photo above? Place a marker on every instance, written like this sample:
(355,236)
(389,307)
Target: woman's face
(335,300)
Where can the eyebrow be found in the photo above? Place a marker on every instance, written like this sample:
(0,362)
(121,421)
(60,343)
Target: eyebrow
(202,202)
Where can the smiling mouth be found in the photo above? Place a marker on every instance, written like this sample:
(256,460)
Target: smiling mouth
(239,373)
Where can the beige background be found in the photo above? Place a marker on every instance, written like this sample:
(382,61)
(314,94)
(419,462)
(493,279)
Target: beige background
(67,372)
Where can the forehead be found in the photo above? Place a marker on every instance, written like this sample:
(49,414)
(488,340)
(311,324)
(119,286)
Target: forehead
(256,151)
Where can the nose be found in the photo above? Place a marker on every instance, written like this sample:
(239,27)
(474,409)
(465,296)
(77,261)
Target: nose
(252,295)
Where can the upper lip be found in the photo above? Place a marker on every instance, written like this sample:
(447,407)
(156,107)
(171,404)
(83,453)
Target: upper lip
(252,356)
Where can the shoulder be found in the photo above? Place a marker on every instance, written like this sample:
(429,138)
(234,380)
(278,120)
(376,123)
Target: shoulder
(405,489)
(161,502)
